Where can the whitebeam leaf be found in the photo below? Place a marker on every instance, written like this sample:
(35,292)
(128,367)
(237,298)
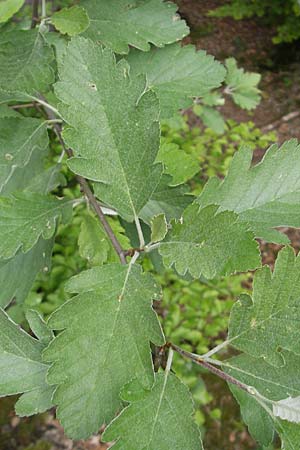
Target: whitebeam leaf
(19,138)
(122,23)
(160,419)
(242,85)
(159,228)
(274,383)
(26,62)
(24,217)
(22,369)
(71,21)
(270,320)
(8,8)
(266,195)
(168,200)
(205,242)
(113,126)
(18,273)
(288,409)
(105,344)
(177,163)
(177,74)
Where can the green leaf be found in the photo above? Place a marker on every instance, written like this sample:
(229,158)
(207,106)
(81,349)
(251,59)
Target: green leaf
(289,434)
(26,62)
(205,242)
(20,137)
(266,195)
(105,344)
(160,420)
(274,383)
(167,200)
(39,326)
(5,111)
(177,163)
(22,369)
(268,321)
(18,273)
(94,244)
(177,74)
(242,85)
(137,23)
(159,228)
(71,21)
(113,126)
(211,118)
(8,8)
(24,217)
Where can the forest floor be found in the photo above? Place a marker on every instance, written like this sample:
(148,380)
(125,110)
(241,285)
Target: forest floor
(250,42)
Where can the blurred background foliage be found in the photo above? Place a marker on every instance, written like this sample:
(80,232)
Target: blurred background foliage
(283,14)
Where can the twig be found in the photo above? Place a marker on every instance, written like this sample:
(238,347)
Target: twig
(87,192)
(35,13)
(44,9)
(139,231)
(271,126)
(24,105)
(210,367)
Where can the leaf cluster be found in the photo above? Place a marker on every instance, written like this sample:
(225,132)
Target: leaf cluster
(103,81)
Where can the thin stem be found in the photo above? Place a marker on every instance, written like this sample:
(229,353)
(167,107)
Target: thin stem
(214,350)
(54,121)
(210,367)
(46,105)
(44,9)
(87,191)
(139,231)
(35,13)
(61,157)
(169,361)
(151,247)
(24,105)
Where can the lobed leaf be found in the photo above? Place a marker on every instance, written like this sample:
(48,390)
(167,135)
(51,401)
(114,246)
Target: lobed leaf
(71,21)
(274,383)
(107,327)
(266,195)
(269,321)
(22,370)
(113,126)
(137,23)
(20,137)
(24,217)
(166,199)
(177,75)
(177,163)
(161,419)
(205,242)
(242,85)
(17,274)
(26,62)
